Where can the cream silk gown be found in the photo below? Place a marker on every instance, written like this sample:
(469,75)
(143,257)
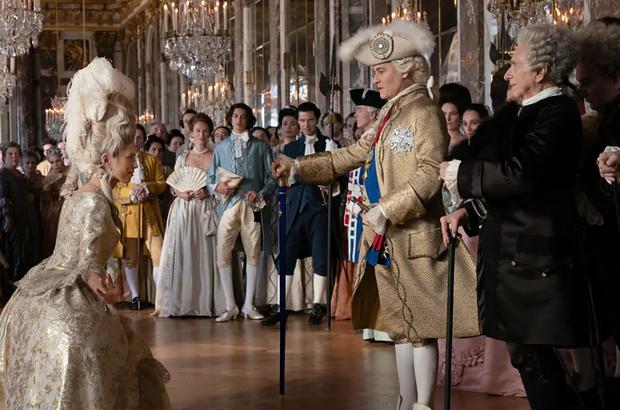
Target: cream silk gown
(61,346)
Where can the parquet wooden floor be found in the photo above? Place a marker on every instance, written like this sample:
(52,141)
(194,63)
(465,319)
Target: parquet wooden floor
(234,366)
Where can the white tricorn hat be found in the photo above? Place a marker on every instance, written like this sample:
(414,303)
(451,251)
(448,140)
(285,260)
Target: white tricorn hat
(380,44)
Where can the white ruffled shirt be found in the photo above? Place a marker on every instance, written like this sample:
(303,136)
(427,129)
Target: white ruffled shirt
(240,143)
(310,141)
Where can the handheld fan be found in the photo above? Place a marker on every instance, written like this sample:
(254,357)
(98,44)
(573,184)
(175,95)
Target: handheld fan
(187,179)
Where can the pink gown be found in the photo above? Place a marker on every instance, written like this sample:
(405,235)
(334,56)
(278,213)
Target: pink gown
(480,364)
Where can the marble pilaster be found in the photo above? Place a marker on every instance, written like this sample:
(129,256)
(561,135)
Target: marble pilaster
(274,60)
(237,49)
(248,63)
(471,41)
(285,57)
(322,37)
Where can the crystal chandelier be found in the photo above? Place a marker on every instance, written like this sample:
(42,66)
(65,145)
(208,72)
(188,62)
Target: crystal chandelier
(212,98)
(408,10)
(568,13)
(146,117)
(21,22)
(55,117)
(516,14)
(198,41)
(7,80)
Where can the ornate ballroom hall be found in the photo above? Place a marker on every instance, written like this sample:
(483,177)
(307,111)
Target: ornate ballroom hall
(203,56)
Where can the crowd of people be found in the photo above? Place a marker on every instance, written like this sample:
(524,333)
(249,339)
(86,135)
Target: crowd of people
(528,188)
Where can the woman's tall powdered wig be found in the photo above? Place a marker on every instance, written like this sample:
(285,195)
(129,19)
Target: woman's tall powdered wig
(99,119)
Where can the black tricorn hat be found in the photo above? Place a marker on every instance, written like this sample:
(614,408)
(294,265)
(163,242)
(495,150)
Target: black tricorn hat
(365,96)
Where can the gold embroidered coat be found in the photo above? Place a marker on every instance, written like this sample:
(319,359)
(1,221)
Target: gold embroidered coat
(412,292)
(61,346)
(135,217)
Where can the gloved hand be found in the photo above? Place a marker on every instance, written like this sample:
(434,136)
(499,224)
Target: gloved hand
(330,145)
(376,219)
(354,209)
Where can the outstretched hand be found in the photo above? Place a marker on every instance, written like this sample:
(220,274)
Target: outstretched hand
(281,166)
(107,290)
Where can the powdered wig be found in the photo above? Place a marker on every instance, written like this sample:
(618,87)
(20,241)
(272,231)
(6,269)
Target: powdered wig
(99,119)
(415,66)
(549,47)
(598,46)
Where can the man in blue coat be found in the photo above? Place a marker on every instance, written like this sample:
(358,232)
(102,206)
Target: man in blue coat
(249,158)
(306,210)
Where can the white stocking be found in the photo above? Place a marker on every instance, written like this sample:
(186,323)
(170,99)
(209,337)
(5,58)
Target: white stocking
(288,284)
(250,286)
(425,360)
(131,273)
(406,375)
(227,286)
(318,285)
(582,359)
(155,274)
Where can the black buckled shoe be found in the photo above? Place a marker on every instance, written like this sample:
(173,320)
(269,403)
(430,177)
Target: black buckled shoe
(272,317)
(316,314)
(135,304)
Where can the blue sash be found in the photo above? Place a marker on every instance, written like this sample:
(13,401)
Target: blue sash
(376,253)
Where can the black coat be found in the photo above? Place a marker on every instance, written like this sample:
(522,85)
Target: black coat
(599,242)
(302,197)
(307,198)
(522,163)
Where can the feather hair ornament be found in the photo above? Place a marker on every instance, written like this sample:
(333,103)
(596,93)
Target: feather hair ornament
(87,103)
(401,39)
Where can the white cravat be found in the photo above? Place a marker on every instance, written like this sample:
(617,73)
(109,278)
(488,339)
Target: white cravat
(546,93)
(310,140)
(240,143)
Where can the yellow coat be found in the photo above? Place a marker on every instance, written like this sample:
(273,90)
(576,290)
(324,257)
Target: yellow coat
(135,217)
(412,291)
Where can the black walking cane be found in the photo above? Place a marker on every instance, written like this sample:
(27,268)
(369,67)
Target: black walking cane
(282,278)
(449,321)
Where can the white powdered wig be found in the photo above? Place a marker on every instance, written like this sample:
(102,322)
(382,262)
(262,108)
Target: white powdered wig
(87,103)
(409,39)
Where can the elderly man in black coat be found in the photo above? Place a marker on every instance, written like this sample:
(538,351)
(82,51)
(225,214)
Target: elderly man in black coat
(517,181)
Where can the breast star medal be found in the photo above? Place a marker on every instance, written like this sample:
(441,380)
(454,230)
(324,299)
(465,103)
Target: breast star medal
(402,140)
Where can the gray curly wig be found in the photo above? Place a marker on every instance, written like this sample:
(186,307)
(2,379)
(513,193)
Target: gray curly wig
(549,47)
(415,66)
(598,46)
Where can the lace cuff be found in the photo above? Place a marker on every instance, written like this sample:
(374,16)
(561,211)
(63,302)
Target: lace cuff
(293,176)
(451,180)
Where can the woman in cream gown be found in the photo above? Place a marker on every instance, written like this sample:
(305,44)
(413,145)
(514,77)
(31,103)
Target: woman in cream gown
(62,343)
(188,282)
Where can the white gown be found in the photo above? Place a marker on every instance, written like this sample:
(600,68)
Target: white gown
(188,282)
